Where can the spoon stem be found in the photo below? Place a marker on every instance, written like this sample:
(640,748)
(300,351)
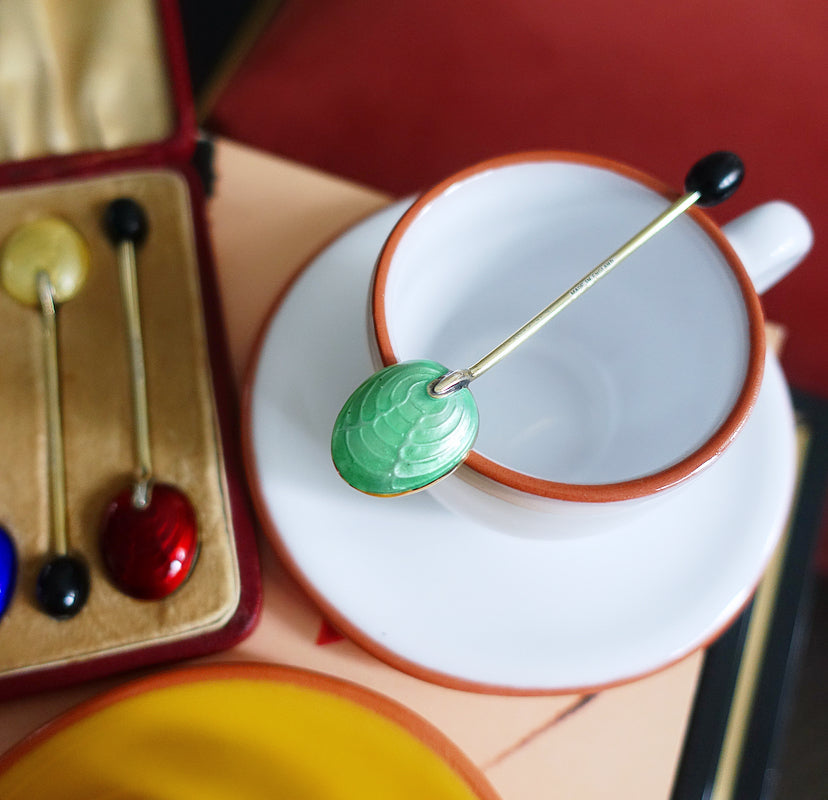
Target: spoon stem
(54,424)
(138,380)
(459,378)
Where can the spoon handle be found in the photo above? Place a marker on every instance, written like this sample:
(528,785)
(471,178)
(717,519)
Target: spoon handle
(138,377)
(54,424)
(710,181)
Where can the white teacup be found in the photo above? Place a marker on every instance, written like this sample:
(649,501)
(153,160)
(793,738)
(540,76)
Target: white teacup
(634,388)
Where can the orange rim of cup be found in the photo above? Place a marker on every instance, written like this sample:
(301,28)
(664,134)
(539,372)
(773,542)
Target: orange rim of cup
(591,493)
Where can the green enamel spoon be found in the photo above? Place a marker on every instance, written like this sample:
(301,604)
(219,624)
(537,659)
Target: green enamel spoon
(413,423)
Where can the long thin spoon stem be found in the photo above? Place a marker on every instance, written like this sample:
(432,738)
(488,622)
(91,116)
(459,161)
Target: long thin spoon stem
(54,424)
(138,379)
(459,378)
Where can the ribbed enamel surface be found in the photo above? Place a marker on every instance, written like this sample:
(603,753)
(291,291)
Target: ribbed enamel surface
(392,437)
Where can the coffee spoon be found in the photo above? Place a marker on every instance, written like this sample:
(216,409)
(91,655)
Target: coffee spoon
(44,264)
(412,423)
(149,538)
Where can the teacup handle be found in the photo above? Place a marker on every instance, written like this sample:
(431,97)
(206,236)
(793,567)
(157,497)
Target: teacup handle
(770,240)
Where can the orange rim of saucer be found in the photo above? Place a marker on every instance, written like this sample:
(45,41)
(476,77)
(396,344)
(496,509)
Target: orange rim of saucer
(591,493)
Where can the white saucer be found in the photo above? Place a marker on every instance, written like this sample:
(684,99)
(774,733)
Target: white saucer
(455,603)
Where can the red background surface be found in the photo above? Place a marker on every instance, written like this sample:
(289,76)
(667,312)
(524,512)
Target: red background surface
(398,95)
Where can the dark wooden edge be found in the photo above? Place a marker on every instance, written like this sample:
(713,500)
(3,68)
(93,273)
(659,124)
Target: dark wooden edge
(757,768)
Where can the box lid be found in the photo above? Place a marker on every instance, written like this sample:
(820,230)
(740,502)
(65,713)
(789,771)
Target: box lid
(92,83)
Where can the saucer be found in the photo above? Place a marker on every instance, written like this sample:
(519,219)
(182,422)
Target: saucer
(450,601)
(240,730)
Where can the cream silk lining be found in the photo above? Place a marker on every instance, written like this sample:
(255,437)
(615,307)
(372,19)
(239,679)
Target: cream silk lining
(80,75)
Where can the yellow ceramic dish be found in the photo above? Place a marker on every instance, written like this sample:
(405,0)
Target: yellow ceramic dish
(242,730)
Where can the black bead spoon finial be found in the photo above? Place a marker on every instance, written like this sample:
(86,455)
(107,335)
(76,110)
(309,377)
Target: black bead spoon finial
(715,177)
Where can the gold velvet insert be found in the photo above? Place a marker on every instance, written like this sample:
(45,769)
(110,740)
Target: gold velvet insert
(81,75)
(97,420)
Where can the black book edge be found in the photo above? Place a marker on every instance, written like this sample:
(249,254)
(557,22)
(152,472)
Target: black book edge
(743,696)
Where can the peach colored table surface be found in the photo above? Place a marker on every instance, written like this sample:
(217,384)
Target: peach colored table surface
(268,217)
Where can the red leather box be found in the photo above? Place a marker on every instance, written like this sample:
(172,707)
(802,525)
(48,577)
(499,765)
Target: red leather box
(96,105)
